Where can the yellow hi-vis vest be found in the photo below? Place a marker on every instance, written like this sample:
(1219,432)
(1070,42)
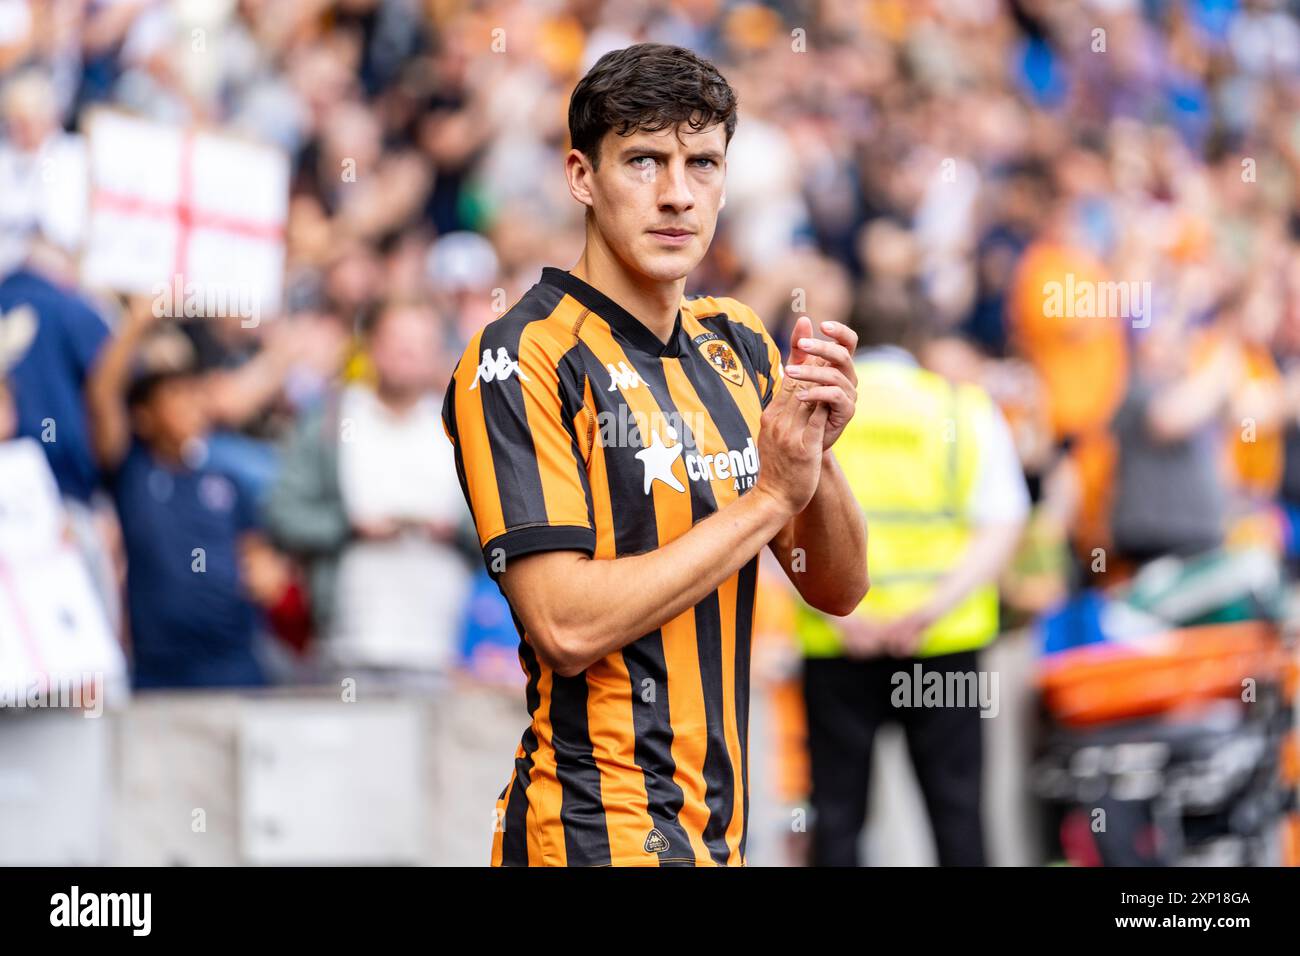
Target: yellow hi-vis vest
(911,456)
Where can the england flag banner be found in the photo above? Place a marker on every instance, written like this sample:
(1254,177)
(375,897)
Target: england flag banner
(56,647)
(190,215)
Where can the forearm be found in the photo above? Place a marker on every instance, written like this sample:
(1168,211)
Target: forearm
(989,551)
(1180,409)
(635,594)
(105,394)
(829,538)
(240,394)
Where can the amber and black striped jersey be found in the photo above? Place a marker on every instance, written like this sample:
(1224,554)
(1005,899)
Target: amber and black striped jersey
(576,428)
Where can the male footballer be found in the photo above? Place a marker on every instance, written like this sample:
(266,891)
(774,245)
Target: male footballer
(627,453)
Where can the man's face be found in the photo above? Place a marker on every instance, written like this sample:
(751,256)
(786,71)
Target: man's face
(405,350)
(656,196)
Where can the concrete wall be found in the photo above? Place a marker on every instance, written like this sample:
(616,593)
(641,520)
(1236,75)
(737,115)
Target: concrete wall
(304,777)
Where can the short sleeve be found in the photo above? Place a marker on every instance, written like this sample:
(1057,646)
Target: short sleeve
(1000,494)
(512,415)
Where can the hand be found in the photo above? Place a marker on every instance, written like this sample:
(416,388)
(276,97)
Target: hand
(902,636)
(265,572)
(826,369)
(862,637)
(140,313)
(790,441)
(377,529)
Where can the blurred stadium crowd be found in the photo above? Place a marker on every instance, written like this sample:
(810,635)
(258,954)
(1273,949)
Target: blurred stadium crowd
(939,165)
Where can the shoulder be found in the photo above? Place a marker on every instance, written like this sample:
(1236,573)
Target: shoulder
(537,330)
(736,321)
(726,308)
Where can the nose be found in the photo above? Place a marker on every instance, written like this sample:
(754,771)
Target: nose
(675,188)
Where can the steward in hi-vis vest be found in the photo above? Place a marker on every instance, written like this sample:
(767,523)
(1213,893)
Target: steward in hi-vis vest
(911,456)
(933,466)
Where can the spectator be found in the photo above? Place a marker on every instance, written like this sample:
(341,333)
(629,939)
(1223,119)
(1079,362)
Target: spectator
(367,496)
(197,564)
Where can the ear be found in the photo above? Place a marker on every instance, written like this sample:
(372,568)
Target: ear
(723,202)
(577,171)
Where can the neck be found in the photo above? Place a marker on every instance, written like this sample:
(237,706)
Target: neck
(397,400)
(169,452)
(652,303)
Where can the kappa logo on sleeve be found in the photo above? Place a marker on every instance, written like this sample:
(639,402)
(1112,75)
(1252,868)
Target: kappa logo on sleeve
(496,369)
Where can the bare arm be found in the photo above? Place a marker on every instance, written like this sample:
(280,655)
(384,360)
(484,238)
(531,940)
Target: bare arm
(236,395)
(823,549)
(110,425)
(1180,409)
(989,550)
(552,591)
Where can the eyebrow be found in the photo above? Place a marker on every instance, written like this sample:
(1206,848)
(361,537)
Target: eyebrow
(650,151)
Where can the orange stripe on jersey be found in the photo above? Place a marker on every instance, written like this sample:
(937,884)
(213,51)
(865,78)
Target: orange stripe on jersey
(474,448)
(545,835)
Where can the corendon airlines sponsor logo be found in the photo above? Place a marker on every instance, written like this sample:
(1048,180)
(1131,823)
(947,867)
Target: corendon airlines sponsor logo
(740,466)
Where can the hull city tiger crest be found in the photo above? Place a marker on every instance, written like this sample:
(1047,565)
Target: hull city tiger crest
(723,358)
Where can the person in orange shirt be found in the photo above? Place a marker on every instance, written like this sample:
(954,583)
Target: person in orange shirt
(1074,345)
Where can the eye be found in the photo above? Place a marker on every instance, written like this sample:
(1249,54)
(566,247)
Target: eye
(706,161)
(636,161)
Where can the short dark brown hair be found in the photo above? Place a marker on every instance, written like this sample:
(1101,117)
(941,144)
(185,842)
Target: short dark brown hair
(651,87)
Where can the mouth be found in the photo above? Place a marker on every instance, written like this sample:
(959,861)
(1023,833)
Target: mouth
(674,237)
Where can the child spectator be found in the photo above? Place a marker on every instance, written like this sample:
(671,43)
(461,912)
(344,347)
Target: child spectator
(196,565)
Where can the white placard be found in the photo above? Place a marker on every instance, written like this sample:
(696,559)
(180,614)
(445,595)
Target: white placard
(169,201)
(54,635)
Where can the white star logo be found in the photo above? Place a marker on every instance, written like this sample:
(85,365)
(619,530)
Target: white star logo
(658,460)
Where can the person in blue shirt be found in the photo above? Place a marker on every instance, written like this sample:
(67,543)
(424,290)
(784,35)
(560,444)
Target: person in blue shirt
(197,566)
(64,335)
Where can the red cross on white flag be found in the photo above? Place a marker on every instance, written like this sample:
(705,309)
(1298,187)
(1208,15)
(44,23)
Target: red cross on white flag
(191,210)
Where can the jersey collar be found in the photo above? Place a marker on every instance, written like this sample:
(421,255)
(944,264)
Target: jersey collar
(618,318)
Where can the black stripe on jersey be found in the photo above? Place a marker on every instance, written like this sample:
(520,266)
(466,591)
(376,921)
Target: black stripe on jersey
(719,778)
(749,342)
(635,532)
(514,842)
(586,835)
(571,387)
(745,589)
